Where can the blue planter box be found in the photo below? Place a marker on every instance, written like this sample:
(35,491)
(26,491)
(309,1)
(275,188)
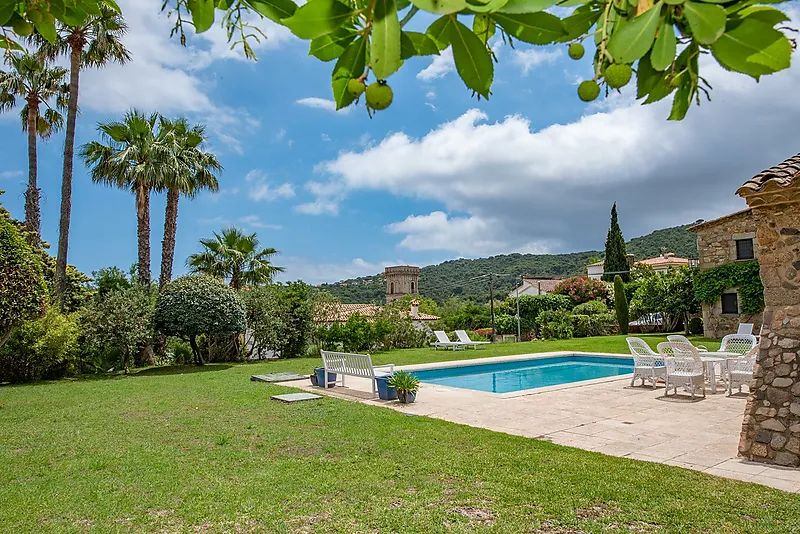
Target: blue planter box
(385,391)
(321,377)
(408,398)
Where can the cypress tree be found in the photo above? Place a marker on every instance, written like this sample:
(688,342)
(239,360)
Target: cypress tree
(621,304)
(615,260)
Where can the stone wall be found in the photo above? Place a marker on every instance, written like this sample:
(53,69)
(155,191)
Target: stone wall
(771,427)
(716,243)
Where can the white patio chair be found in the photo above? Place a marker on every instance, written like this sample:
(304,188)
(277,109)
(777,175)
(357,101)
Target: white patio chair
(745,328)
(740,370)
(463,337)
(647,365)
(738,343)
(676,338)
(442,341)
(683,368)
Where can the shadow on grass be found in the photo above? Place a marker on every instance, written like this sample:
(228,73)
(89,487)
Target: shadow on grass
(181,369)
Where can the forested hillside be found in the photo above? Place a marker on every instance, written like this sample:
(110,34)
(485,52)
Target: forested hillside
(457,278)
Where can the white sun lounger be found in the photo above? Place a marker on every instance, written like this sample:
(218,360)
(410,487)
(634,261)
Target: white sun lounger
(463,337)
(442,341)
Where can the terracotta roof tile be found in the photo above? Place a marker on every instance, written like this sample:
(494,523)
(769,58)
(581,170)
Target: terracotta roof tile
(660,260)
(712,222)
(781,175)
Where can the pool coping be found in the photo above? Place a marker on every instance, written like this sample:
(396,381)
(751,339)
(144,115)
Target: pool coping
(521,357)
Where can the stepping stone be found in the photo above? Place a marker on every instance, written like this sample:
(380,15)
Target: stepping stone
(296,397)
(278,377)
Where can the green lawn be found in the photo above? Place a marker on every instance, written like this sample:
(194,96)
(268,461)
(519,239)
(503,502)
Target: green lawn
(205,450)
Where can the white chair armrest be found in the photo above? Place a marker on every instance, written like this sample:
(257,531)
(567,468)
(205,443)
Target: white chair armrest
(390,366)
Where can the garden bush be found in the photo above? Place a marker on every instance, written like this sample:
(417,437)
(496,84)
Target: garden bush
(46,347)
(582,289)
(295,301)
(265,323)
(191,306)
(505,324)
(621,308)
(117,328)
(603,324)
(593,307)
(555,324)
(696,326)
(530,306)
(22,286)
(581,325)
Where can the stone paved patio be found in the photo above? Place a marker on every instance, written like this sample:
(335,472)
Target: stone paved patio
(605,415)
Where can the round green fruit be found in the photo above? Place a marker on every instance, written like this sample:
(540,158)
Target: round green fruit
(576,50)
(35,16)
(23,28)
(618,75)
(379,95)
(355,87)
(588,90)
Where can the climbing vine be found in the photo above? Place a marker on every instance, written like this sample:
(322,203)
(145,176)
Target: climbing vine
(709,285)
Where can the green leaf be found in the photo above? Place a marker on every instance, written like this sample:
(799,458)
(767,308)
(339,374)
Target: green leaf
(329,47)
(578,24)
(317,18)
(476,6)
(47,29)
(6,10)
(439,32)
(274,10)
(706,21)
(423,44)
(483,27)
(9,44)
(535,28)
(665,47)
(766,14)
(527,6)
(440,7)
(674,2)
(202,14)
(683,98)
(385,51)
(402,4)
(472,59)
(650,83)
(634,39)
(752,47)
(351,64)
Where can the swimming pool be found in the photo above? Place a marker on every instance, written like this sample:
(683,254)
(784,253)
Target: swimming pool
(505,377)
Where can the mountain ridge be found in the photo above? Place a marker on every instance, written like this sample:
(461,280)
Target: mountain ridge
(457,278)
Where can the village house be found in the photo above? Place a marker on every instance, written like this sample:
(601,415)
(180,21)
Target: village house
(660,264)
(535,286)
(720,241)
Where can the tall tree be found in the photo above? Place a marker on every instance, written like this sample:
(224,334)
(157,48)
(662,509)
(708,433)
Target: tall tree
(195,170)
(94,42)
(616,261)
(235,256)
(32,80)
(133,155)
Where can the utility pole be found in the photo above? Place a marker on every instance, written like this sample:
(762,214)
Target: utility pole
(491,301)
(519,328)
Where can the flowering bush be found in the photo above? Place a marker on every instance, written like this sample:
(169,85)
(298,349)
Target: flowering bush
(583,289)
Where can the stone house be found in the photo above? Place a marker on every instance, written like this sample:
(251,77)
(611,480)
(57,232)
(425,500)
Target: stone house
(724,240)
(535,286)
(659,264)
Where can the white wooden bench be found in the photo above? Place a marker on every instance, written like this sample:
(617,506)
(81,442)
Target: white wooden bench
(345,364)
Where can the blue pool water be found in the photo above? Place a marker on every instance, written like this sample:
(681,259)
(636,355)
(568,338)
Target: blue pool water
(527,374)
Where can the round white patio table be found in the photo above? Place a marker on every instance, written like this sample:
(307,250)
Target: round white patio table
(711,359)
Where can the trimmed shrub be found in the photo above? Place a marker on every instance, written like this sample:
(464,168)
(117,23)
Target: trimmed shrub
(117,327)
(43,348)
(23,290)
(593,307)
(581,325)
(603,324)
(555,324)
(265,325)
(195,305)
(582,289)
(505,324)
(530,306)
(621,305)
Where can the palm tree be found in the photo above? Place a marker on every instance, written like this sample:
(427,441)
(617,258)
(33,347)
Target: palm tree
(134,157)
(235,255)
(93,43)
(37,83)
(196,171)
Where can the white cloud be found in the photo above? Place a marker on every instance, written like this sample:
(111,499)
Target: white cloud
(215,221)
(319,206)
(254,221)
(440,66)
(261,189)
(10,174)
(314,272)
(516,188)
(321,103)
(534,57)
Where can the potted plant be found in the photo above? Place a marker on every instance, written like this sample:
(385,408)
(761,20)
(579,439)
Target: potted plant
(406,386)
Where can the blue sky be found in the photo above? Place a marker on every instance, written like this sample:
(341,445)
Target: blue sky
(439,175)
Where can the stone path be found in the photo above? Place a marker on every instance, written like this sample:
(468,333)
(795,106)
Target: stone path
(605,415)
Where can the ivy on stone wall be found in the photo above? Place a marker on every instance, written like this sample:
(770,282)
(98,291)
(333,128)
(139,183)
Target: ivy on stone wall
(709,285)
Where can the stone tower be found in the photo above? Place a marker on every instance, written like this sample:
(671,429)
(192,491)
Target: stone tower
(401,280)
(771,428)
